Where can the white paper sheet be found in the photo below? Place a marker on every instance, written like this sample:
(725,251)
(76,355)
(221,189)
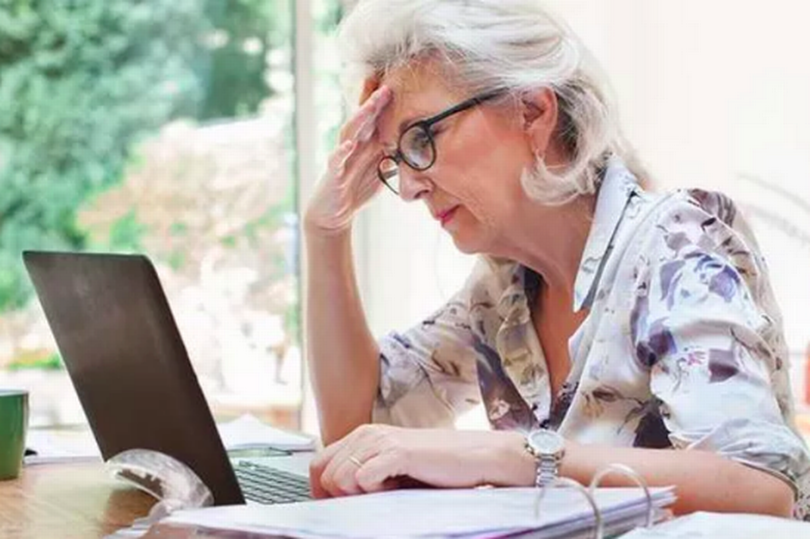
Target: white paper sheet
(243,433)
(248,432)
(426,513)
(725,526)
(61,446)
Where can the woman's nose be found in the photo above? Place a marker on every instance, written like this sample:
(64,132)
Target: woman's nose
(413,184)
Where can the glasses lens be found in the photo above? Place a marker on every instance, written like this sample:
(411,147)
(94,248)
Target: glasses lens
(389,173)
(417,147)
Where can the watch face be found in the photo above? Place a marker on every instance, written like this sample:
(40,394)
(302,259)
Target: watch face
(546,441)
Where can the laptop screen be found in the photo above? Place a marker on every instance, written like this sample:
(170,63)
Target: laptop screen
(127,361)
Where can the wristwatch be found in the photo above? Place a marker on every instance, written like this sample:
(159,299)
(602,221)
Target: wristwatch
(548,449)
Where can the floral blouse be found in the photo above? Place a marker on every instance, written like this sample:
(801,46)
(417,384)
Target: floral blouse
(682,346)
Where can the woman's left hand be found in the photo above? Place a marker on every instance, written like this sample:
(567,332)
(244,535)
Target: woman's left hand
(374,458)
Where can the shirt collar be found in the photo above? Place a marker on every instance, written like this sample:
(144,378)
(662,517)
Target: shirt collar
(618,187)
(520,285)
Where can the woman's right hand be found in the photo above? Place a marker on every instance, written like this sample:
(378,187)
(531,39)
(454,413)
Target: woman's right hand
(350,179)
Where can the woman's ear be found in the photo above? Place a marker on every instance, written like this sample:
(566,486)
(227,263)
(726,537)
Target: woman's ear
(539,115)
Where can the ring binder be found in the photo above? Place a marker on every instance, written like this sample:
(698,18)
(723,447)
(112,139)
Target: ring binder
(627,471)
(590,494)
(598,527)
(459,513)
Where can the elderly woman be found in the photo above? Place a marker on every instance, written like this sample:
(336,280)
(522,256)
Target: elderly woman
(603,323)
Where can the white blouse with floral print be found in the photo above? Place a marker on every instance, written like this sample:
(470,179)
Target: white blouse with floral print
(682,347)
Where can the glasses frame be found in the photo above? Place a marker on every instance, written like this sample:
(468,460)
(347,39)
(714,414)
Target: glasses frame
(425,125)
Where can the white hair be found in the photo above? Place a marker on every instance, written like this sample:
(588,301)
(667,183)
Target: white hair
(497,44)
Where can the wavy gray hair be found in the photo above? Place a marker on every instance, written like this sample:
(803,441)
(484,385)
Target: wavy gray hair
(489,44)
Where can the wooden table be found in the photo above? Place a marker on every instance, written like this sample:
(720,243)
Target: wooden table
(68,501)
(79,501)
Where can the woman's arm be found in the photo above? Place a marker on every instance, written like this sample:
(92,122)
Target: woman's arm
(343,355)
(423,377)
(376,457)
(704,481)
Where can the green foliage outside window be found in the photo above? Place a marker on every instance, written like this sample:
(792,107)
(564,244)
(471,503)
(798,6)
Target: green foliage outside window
(81,82)
(244,31)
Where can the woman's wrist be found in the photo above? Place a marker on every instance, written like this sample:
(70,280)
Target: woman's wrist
(511,464)
(315,231)
(329,250)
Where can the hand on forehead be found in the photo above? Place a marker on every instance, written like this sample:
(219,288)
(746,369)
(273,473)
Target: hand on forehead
(370,85)
(421,76)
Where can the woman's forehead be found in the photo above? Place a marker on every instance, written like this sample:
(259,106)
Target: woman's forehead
(421,79)
(419,91)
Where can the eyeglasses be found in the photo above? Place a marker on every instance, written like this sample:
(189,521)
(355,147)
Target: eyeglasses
(416,146)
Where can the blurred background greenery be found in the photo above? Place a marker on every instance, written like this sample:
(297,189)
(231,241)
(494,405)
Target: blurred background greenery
(82,82)
(164,127)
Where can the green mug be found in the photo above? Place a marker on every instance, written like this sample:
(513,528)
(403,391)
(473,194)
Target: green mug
(13,425)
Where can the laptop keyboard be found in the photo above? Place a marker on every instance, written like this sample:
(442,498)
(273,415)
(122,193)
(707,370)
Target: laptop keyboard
(268,485)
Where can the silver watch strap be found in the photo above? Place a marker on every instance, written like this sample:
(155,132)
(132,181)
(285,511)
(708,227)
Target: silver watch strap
(548,469)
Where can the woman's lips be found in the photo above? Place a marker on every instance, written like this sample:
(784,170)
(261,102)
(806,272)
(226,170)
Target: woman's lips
(445,216)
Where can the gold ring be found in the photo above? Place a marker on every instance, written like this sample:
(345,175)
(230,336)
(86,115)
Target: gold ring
(354,460)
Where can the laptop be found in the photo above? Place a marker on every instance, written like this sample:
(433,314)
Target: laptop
(132,374)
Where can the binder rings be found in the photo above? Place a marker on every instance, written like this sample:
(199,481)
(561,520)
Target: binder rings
(564,510)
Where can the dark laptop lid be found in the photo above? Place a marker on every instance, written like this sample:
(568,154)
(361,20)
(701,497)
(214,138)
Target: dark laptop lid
(128,364)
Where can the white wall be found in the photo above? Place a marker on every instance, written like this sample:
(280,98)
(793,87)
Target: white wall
(709,92)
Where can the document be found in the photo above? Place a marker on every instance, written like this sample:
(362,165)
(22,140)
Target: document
(60,445)
(727,526)
(245,432)
(428,514)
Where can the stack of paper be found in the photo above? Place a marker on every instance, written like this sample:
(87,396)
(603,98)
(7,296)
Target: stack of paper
(246,432)
(727,526)
(64,445)
(469,513)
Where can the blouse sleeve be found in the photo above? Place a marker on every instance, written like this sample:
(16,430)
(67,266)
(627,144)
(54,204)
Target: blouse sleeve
(712,345)
(428,373)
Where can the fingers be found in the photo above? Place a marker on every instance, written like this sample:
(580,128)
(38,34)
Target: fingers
(381,472)
(350,182)
(351,179)
(351,151)
(362,125)
(355,173)
(318,492)
(339,158)
(370,85)
(338,477)
(336,471)
(319,464)
(370,188)
(352,160)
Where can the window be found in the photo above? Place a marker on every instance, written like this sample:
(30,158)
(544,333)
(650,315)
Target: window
(165,128)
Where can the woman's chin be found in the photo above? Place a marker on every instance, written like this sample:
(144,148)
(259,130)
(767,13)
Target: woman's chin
(465,244)
(469,237)
(466,251)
